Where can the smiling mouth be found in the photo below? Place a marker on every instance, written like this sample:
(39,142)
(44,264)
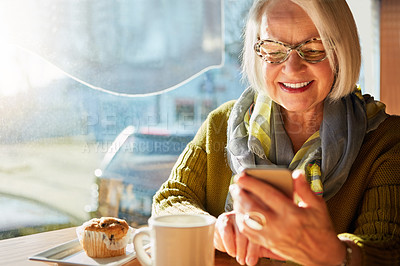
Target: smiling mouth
(295,87)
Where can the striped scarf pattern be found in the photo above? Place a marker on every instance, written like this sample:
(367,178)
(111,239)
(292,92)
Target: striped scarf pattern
(258,126)
(256,136)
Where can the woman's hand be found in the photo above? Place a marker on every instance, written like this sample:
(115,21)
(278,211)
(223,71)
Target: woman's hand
(301,232)
(229,239)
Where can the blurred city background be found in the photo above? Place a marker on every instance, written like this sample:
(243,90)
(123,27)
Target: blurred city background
(96,108)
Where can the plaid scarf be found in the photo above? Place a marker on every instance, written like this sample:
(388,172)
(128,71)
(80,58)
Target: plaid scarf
(256,136)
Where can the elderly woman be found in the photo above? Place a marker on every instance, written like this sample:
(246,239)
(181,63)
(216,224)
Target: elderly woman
(302,110)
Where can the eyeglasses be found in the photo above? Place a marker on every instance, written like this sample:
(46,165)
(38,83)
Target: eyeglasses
(276,52)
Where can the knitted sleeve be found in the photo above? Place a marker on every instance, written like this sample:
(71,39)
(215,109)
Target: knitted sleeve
(200,178)
(184,191)
(377,229)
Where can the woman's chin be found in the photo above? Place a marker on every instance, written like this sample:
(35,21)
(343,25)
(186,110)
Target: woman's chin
(297,107)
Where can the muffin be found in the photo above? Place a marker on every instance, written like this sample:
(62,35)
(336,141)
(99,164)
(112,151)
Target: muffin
(104,237)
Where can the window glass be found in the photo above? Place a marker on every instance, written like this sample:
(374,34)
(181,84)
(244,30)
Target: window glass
(72,150)
(133,47)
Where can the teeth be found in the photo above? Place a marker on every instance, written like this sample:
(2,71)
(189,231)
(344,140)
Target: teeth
(296,85)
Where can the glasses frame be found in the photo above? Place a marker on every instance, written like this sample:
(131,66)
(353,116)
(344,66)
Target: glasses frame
(296,47)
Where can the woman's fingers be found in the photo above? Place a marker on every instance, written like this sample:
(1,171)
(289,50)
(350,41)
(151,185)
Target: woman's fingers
(287,229)
(218,242)
(253,253)
(302,189)
(225,235)
(241,246)
(273,198)
(270,197)
(243,201)
(228,238)
(246,252)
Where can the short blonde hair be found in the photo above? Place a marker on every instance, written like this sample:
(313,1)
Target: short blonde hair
(337,29)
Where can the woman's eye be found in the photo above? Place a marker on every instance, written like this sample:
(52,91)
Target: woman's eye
(313,53)
(275,53)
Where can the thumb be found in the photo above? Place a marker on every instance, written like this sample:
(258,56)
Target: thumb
(303,194)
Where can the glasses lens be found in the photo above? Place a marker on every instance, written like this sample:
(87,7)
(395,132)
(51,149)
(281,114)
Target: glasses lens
(272,52)
(313,51)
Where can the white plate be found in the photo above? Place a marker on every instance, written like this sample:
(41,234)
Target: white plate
(71,253)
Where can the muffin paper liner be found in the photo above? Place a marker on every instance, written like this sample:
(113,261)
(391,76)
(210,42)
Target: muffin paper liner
(98,237)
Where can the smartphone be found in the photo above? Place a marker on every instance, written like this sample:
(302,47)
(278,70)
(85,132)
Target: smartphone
(278,177)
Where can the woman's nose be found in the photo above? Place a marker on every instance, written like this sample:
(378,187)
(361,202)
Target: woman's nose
(294,63)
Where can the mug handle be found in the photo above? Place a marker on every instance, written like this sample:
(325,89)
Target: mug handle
(141,254)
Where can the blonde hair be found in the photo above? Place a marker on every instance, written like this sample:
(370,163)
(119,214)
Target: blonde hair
(337,29)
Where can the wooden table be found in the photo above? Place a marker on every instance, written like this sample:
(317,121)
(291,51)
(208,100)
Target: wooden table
(16,251)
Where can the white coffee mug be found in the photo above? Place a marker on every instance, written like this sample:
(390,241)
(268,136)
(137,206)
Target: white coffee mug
(177,240)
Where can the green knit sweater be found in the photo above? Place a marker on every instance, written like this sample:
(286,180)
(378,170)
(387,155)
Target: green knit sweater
(366,208)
